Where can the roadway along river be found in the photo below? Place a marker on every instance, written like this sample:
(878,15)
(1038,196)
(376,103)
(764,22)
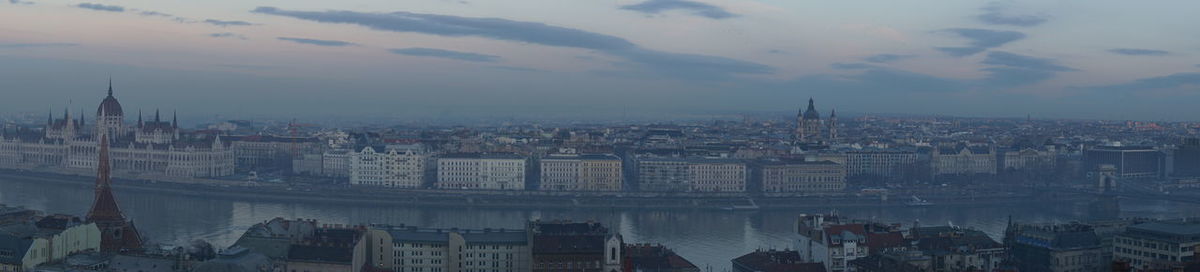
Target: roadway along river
(707,238)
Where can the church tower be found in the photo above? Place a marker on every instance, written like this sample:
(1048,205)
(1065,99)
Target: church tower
(808,124)
(116,232)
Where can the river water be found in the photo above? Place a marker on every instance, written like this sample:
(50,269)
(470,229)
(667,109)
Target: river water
(710,239)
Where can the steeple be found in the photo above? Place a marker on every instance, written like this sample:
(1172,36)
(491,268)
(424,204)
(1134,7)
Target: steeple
(116,233)
(110,86)
(105,208)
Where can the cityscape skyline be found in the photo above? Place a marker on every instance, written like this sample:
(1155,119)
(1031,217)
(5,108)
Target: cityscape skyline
(419,59)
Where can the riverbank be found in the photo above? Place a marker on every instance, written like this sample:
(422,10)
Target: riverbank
(496,199)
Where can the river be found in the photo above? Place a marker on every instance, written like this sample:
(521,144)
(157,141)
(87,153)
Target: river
(708,238)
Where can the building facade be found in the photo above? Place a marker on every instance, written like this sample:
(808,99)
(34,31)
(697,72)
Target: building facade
(808,177)
(879,164)
(1131,162)
(963,159)
(457,250)
(717,175)
(588,172)
(481,172)
(1157,245)
(155,148)
(392,166)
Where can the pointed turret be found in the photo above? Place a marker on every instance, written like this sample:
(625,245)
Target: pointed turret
(110,86)
(105,206)
(50,118)
(175,119)
(156,119)
(140,124)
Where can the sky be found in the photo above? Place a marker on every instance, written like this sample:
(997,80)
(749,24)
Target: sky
(596,59)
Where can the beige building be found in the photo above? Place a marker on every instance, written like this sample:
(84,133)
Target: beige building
(717,175)
(476,171)
(962,159)
(572,172)
(52,239)
(805,177)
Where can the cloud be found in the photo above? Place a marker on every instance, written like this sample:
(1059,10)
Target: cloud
(316,42)
(696,8)
(514,68)
(20,2)
(154,13)
(227,23)
(1001,58)
(851,66)
(1011,70)
(885,58)
(777,51)
(36,45)
(445,54)
(1173,81)
(100,7)
(981,39)
(647,60)
(996,13)
(1138,52)
(227,35)
(880,81)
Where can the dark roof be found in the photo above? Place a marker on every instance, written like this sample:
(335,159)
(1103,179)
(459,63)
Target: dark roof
(16,245)
(321,254)
(109,106)
(776,261)
(562,244)
(882,263)
(655,258)
(811,113)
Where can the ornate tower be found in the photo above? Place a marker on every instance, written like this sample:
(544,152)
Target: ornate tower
(833,129)
(808,124)
(110,119)
(116,233)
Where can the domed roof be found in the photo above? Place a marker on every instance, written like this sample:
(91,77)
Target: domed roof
(110,106)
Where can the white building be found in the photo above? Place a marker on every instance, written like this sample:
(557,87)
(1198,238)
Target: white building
(572,172)
(825,239)
(156,148)
(391,166)
(456,250)
(477,171)
(884,164)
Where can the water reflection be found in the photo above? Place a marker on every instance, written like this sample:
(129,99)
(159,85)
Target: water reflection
(708,238)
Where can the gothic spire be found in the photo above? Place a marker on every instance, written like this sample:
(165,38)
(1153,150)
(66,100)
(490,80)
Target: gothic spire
(175,119)
(105,208)
(110,86)
(156,119)
(139,118)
